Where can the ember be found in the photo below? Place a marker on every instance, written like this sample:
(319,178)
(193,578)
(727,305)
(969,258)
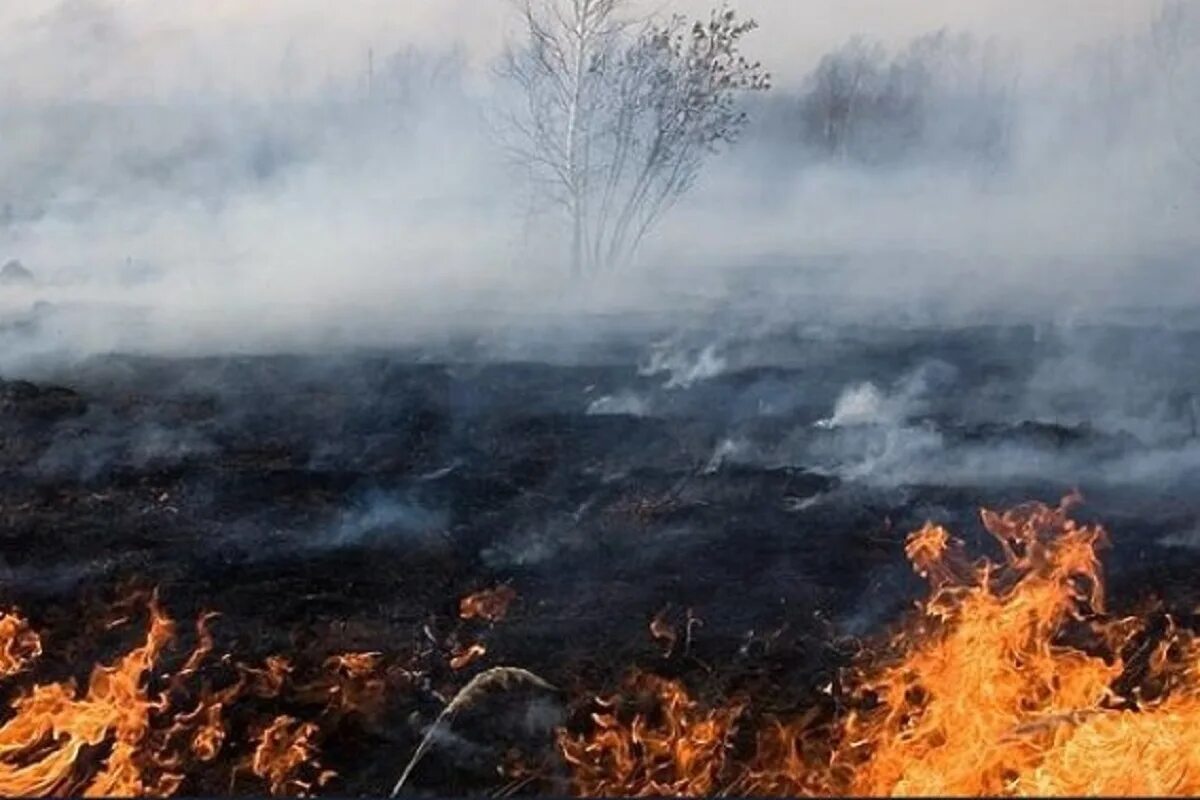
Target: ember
(467,656)
(489,605)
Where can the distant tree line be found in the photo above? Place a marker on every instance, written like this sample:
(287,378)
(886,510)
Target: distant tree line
(942,97)
(611,117)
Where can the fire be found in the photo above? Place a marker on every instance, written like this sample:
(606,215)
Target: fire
(286,748)
(138,728)
(489,605)
(19,645)
(961,699)
(676,748)
(1011,678)
(465,657)
(53,732)
(353,684)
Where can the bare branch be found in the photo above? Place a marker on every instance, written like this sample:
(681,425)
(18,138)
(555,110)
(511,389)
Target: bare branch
(621,115)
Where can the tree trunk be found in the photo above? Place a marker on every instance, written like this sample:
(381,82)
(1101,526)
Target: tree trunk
(577,238)
(575,157)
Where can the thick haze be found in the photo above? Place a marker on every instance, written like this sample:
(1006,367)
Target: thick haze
(240,46)
(285,174)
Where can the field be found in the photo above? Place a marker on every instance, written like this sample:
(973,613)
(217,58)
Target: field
(729,510)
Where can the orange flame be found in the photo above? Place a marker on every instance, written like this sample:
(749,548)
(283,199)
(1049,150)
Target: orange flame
(490,605)
(1010,680)
(285,748)
(43,746)
(465,657)
(352,683)
(120,737)
(19,645)
(672,748)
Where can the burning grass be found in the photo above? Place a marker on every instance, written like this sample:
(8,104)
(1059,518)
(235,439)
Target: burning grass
(1010,677)
(140,727)
(490,605)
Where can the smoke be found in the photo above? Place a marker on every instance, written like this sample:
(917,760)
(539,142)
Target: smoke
(250,180)
(865,404)
(626,402)
(379,517)
(1095,408)
(96,445)
(681,367)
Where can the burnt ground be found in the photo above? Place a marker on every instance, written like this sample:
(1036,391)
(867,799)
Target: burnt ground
(331,503)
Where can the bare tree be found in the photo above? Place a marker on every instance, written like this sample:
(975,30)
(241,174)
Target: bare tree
(960,92)
(411,75)
(616,117)
(843,85)
(558,72)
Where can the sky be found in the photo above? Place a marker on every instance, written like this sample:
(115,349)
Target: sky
(106,48)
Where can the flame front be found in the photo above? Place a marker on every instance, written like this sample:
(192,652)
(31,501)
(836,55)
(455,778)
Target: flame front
(122,737)
(1010,679)
(44,744)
